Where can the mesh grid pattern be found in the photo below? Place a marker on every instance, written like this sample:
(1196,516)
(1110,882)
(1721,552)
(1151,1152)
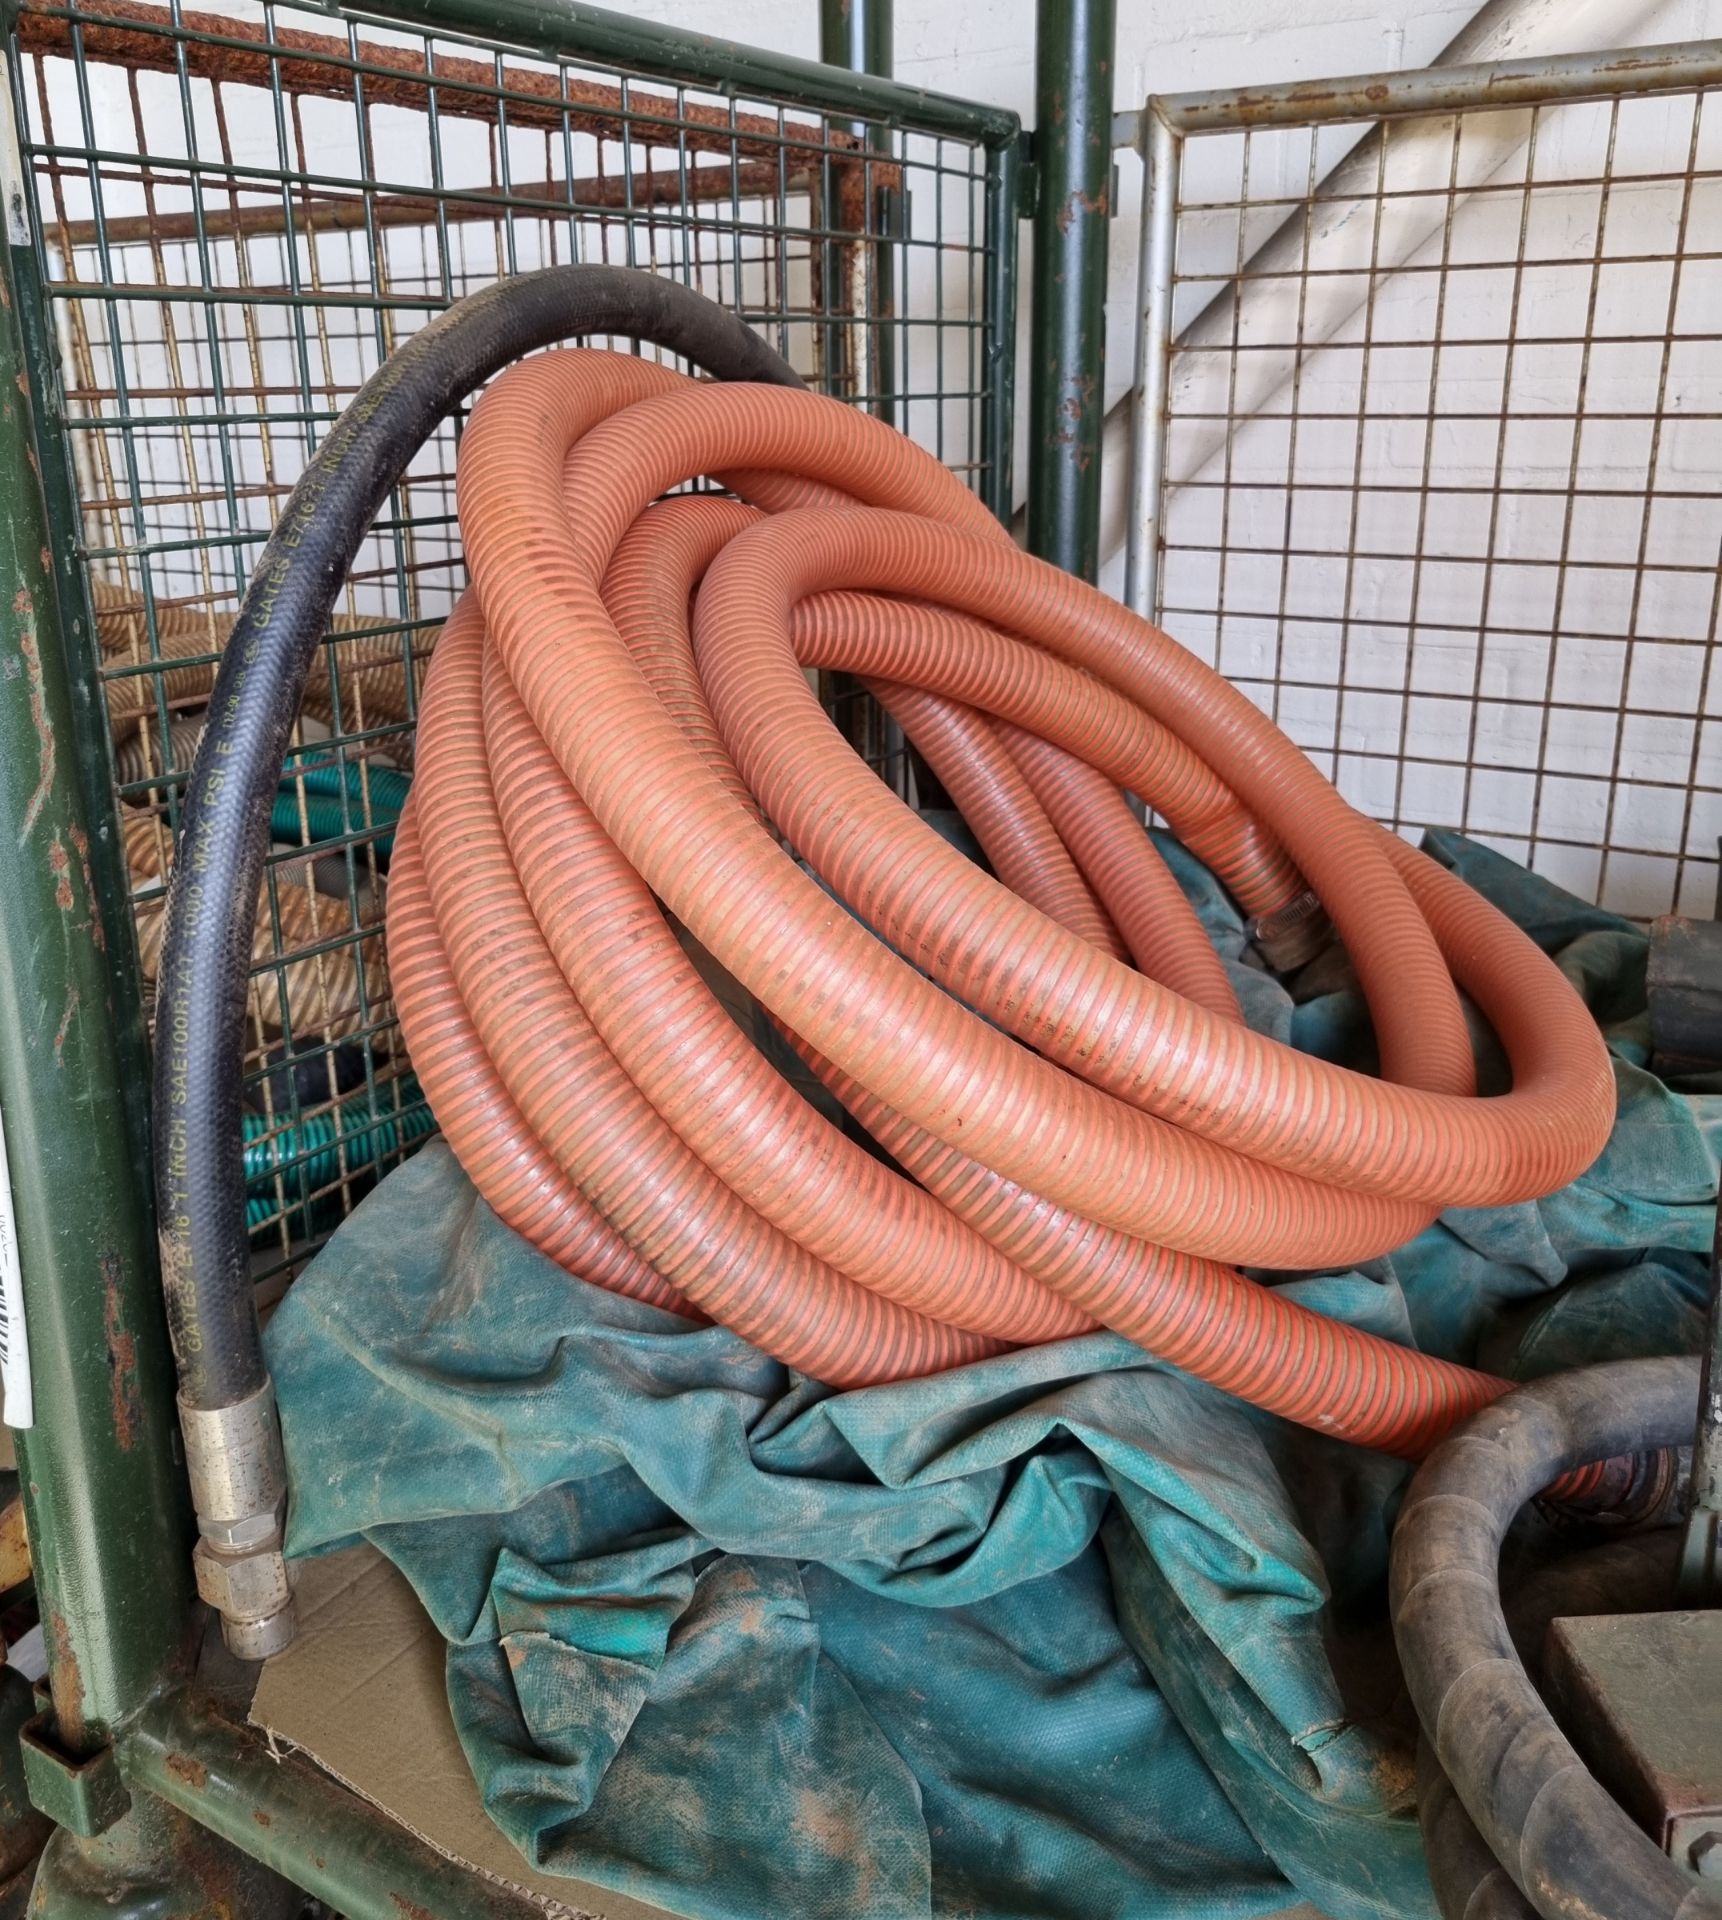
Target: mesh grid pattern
(238,217)
(1441,483)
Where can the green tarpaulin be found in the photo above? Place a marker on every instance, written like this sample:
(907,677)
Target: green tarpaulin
(1060,1634)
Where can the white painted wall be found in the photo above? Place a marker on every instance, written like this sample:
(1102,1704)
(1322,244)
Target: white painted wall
(1524,745)
(984,50)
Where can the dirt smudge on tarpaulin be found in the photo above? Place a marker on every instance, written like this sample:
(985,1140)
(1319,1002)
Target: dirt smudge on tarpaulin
(831,1820)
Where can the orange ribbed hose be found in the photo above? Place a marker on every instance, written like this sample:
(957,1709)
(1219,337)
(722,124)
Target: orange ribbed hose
(1083,1140)
(1095,827)
(634,1168)
(1158,925)
(990,792)
(478,1116)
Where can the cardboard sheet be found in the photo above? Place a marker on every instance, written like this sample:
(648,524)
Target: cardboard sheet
(361,1692)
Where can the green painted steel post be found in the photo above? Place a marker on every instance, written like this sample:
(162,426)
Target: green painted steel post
(82,654)
(998,408)
(857,35)
(1067,351)
(105,1500)
(104,1494)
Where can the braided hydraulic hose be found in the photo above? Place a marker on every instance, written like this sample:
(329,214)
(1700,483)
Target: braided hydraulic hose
(314,990)
(200,1027)
(1083,1141)
(369,685)
(233,1446)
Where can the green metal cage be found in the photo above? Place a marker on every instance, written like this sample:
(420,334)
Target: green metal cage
(236,217)
(219,224)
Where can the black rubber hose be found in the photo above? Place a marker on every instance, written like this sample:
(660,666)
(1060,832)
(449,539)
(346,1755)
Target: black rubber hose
(1566,1845)
(1624,1572)
(212,899)
(1469,1882)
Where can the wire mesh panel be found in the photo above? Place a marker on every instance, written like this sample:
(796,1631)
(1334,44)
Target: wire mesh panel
(238,216)
(1428,455)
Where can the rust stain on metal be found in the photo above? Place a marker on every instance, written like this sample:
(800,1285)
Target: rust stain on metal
(60,866)
(411,1908)
(360,212)
(131,34)
(212,1866)
(1363,97)
(1252,107)
(66,1682)
(1080,202)
(22,604)
(98,932)
(1393,1773)
(46,751)
(187,1767)
(122,1355)
(262,1818)
(65,1027)
(1638,63)
(1070,432)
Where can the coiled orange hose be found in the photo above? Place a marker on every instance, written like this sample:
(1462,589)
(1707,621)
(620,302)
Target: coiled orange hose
(1079,1139)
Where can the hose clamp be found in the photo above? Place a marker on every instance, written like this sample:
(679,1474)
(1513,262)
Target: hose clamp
(238,1474)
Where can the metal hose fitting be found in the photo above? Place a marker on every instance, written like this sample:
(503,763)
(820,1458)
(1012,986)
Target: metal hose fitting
(239,1486)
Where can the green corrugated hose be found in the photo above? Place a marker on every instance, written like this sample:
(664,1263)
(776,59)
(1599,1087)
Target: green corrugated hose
(310,1155)
(334,801)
